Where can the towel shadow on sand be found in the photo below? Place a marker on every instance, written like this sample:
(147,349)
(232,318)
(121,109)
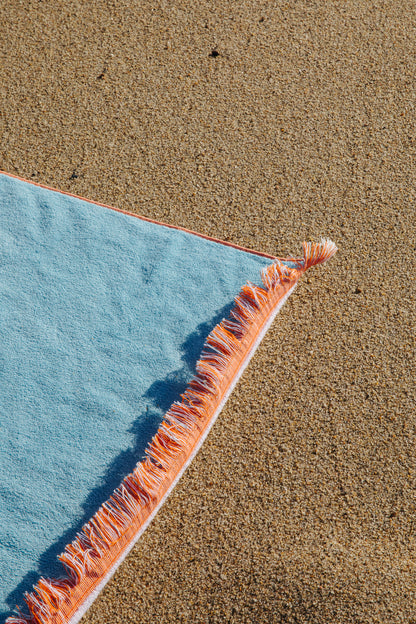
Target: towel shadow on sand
(159,397)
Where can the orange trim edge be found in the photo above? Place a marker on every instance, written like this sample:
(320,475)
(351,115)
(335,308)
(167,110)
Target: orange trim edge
(142,218)
(102,543)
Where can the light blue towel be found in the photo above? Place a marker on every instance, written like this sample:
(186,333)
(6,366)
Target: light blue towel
(102,318)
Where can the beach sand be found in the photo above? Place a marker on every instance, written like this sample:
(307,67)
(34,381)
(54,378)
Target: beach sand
(265,124)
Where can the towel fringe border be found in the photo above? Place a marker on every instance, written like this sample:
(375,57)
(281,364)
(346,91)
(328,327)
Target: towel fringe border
(102,540)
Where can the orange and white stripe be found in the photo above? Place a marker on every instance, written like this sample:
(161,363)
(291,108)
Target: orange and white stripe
(102,544)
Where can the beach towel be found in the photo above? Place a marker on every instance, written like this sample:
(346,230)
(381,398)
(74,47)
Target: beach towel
(120,341)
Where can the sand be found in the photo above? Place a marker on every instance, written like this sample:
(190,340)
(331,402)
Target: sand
(264,124)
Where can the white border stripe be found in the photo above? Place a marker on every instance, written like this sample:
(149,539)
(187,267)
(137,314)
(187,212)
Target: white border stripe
(94,594)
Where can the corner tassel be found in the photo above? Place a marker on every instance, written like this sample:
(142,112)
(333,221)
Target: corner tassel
(315,253)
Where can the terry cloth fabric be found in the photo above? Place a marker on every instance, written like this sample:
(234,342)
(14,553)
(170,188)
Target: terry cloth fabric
(103,402)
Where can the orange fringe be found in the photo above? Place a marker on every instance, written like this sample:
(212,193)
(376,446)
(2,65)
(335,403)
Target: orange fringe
(94,553)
